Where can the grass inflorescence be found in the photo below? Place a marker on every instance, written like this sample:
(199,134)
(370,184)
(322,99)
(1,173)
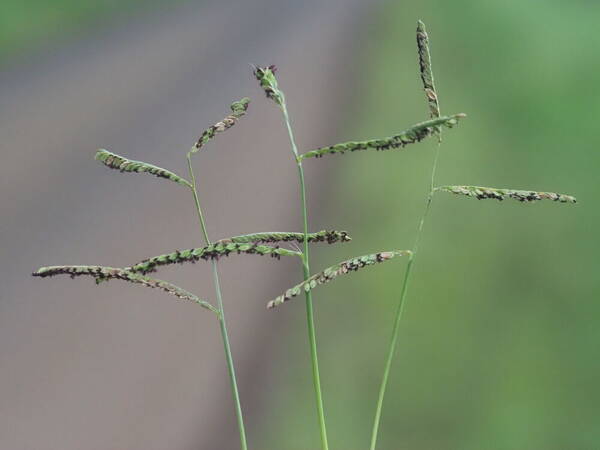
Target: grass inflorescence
(269,243)
(500,194)
(426,71)
(122,164)
(102,273)
(333,272)
(238,109)
(213,251)
(412,135)
(326,236)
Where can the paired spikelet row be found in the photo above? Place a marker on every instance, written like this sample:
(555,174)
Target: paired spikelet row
(268,82)
(238,109)
(333,272)
(330,237)
(412,135)
(101,273)
(425,70)
(213,251)
(481,193)
(114,161)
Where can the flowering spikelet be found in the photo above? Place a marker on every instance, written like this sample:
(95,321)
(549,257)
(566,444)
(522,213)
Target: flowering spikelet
(332,272)
(238,109)
(425,70)
(412,135)
(101,273)
(213,251)
(500,194)
(268,82)
(278,236)
(123,164)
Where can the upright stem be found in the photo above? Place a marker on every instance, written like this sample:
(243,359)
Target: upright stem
(312,339)
(400,308)
(222,321)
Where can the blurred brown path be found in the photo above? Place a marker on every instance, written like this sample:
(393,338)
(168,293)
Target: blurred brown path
(121,367)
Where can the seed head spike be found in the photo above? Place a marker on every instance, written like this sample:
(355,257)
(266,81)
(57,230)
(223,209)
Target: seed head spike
(414,134)
(333,272)
(279,236)
(238,110)
(426,71)
(214,251)
(114,161)
(102,273)
(500,194)
(268,82)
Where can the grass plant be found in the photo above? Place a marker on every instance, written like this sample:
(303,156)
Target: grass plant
(269,243)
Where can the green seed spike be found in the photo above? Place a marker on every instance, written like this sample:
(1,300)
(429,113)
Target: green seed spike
(332,272)
(123,164)
(412,135)
(268,82)
(500,194)
(238,109)
(330,237)
(425,70)
(102,273)
(213,251)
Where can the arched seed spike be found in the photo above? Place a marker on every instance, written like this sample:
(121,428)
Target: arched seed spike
(238,109)
(329,236)
(332,272)
(500,194)
(214,251)
(114,161)
(412,135)
(102,273)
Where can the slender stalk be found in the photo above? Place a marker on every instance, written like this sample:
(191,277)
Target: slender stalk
(312,339)
(221,315)
(400,308)
(197,199)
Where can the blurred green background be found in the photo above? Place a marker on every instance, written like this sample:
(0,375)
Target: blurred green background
(26,25)
(499,341)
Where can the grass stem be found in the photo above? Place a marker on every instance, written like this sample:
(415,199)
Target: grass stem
(310,321)
(222,321)
(401,303)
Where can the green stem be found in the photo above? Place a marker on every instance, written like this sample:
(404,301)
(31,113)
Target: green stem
(196,199)
(400,308)
(221,315)
(310,321)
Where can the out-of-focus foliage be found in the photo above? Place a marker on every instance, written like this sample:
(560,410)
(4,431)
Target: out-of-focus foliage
(499,338)
(26,24)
